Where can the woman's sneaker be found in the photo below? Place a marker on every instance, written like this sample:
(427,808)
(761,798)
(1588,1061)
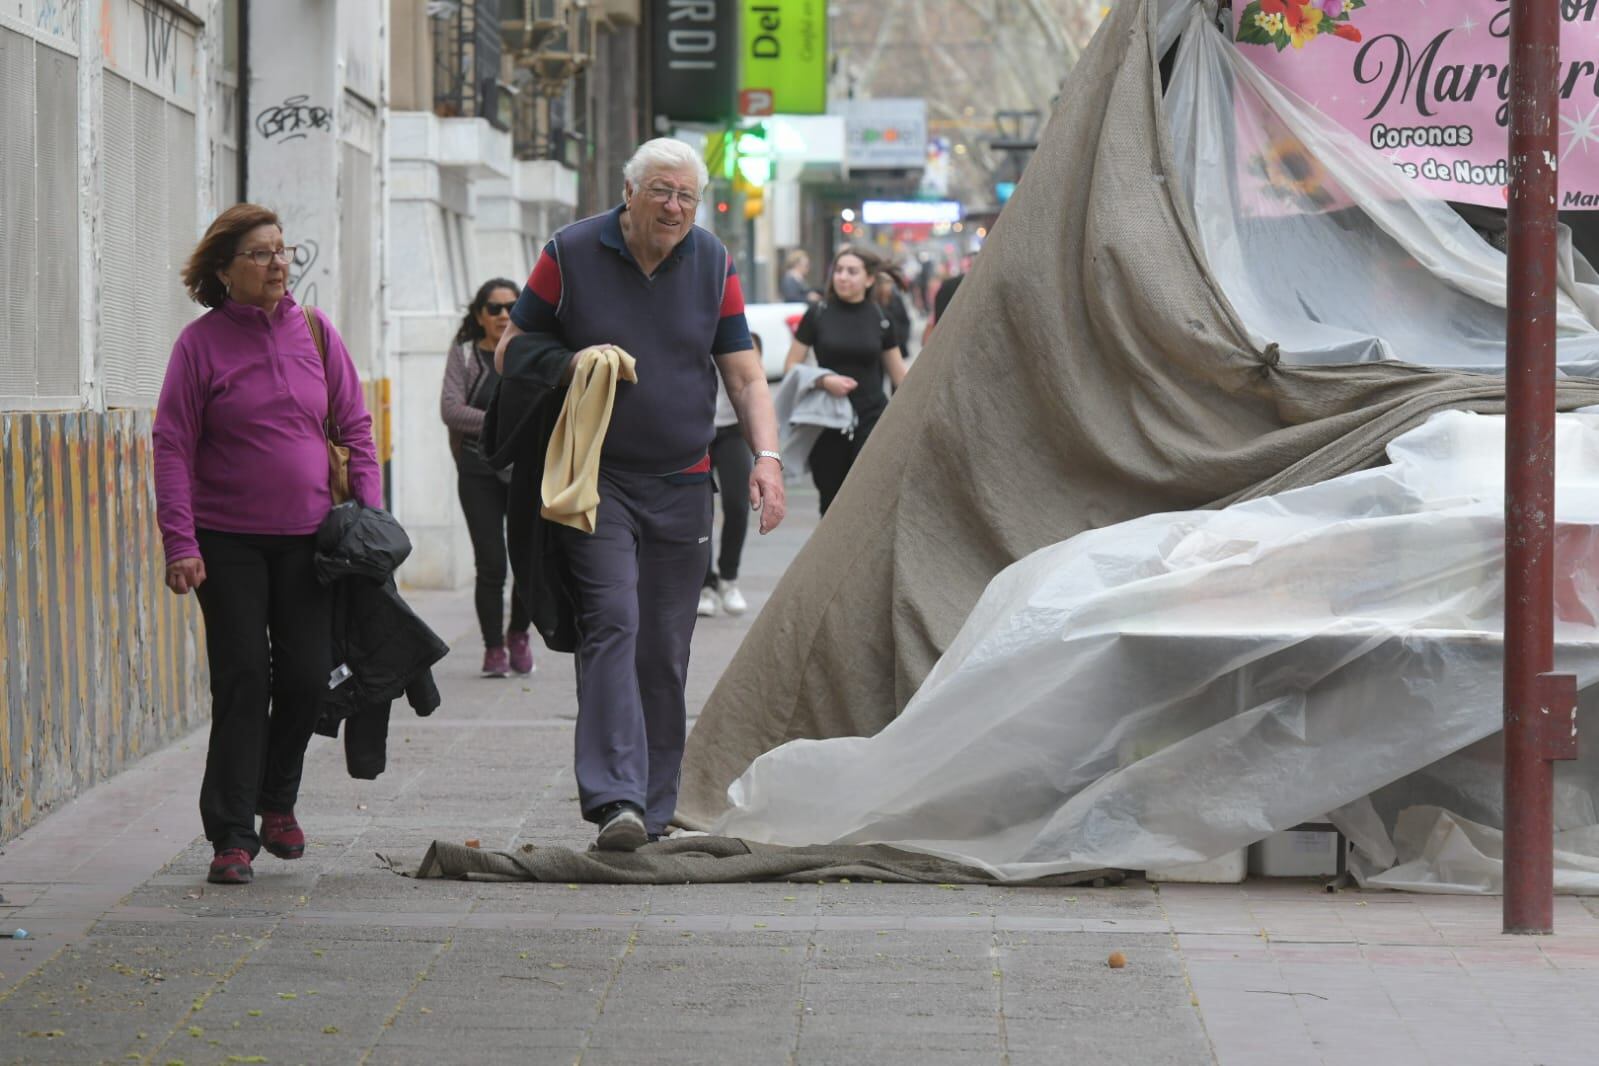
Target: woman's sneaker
(496,662)
(520,652)
(231,866)
(732,599)
(710,603)
(282,836)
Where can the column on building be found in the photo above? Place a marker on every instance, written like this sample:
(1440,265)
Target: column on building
(316,101)
(437,169)
(516,215)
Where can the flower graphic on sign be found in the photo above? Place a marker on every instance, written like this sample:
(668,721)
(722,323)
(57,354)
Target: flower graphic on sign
(1289,174)
(1284,23)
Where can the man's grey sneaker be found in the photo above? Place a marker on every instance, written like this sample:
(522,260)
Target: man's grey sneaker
(710,603)
(621,828)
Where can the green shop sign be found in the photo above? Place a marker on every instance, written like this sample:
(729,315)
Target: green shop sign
(784,65)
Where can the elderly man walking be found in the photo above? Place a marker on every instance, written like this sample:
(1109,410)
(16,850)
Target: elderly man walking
(644,278)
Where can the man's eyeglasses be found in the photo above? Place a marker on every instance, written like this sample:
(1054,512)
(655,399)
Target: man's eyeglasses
(662,194)
(493,308)
(262,256)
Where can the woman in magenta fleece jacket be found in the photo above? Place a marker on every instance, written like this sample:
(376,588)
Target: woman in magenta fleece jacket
(241,482)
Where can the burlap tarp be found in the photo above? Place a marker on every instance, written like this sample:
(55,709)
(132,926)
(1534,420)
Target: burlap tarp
(702,860)
(1090,371)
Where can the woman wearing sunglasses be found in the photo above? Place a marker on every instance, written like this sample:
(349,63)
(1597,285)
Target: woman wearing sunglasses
(241,484)
(469,381)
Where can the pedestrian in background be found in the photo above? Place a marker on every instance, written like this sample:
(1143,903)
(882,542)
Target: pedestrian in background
(731,460)
(795,285)
(946,293)
(887,289)
(856,342)
(642,278)
(242,483)
(469,383)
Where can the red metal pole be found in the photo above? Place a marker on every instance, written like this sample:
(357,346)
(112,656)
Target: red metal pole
(1530,464)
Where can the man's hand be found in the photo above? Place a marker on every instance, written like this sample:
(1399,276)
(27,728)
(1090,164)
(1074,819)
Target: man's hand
(838,384)
(185,574)
(766,493)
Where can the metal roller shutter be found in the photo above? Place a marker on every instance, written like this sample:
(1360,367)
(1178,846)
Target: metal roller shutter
(119,267)
(19,353)
(59,370)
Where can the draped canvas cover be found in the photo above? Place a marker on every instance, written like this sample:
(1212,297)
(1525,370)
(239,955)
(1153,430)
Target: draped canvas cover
(1091,371)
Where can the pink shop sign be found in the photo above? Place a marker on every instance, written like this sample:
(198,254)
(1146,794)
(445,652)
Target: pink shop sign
(1426,84)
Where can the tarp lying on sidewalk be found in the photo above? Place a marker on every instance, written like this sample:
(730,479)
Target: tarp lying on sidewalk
(1095,367)
(1172,688)
(700,860)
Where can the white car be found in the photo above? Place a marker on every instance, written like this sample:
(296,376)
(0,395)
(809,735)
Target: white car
(774,324)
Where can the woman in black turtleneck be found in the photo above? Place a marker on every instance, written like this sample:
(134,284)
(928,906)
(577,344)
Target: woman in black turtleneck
(855,341)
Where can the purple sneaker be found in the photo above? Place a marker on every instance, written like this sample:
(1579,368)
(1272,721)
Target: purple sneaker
(496,663)
(521,652)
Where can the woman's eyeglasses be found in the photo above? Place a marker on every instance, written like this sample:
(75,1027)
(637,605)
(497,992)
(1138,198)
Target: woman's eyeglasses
(262,256)
(493,308)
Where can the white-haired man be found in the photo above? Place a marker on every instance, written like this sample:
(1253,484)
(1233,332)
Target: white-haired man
(644,278)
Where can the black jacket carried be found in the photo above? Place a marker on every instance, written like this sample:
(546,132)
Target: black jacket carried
(517,430)
(381,649)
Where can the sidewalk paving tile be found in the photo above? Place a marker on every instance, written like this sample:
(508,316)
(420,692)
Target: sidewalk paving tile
(334,959)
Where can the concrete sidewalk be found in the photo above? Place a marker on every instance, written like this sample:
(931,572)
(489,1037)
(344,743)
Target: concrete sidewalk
(332,959)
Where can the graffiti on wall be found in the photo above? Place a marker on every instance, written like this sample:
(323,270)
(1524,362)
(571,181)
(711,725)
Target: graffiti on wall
(305,255)
(161,47)
(291,120)
(58,17)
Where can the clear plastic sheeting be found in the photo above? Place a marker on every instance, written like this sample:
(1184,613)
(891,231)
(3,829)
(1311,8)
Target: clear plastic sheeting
(1172,688)
(1320,244)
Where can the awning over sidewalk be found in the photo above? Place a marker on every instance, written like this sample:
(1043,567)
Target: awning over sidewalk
(1102,364)
(1169,689)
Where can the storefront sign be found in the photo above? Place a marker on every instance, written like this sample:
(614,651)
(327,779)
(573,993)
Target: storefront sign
(785,56)
(885,134)
(1427,85)
(910,212)
(694,59)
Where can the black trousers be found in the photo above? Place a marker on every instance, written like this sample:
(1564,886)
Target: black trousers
(732,461)
(269,641)
(483,500)
(832,456)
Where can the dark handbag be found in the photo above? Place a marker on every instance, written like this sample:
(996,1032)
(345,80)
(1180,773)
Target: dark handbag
(338,454)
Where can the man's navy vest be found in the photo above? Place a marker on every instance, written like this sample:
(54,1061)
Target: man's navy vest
(665,422)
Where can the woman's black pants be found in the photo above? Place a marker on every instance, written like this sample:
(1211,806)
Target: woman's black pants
(483,500)
(731,458)
(269,642)
(832,456)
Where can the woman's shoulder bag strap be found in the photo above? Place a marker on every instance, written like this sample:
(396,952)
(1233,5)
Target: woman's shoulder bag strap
(338,454)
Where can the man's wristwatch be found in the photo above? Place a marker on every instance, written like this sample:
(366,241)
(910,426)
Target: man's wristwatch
(778,459)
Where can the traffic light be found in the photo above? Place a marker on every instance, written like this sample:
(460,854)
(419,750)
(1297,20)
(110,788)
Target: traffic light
(754,195)
(755,156)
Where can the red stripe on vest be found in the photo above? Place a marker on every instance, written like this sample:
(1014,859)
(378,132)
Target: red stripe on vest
(545,281)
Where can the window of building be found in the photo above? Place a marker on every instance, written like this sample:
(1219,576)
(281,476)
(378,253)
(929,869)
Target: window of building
(39,226)
(148,197)
(358,299)
(226,109)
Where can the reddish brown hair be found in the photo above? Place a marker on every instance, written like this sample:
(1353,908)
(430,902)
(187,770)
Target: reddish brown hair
(216,249)
(869,259)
